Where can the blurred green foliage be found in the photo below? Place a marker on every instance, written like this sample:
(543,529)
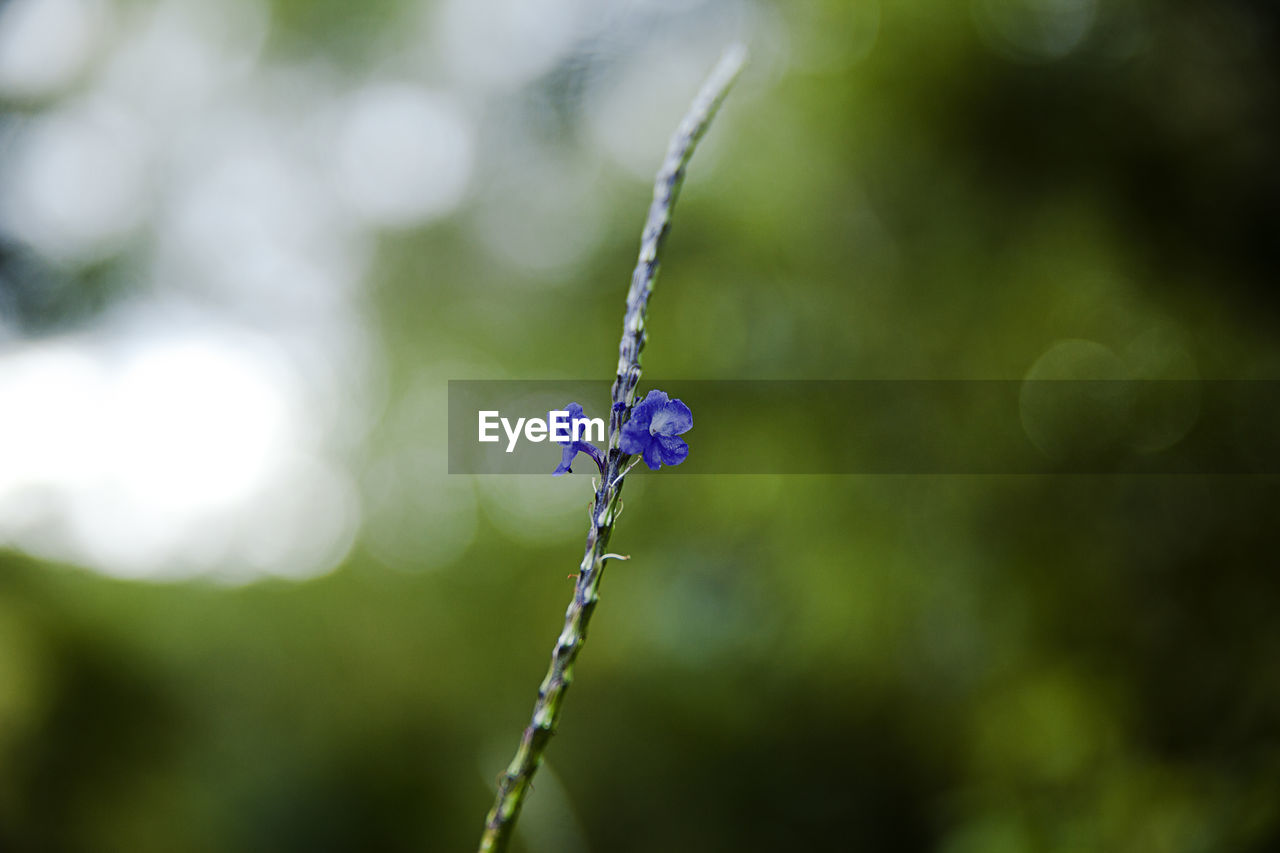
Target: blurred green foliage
(881,663)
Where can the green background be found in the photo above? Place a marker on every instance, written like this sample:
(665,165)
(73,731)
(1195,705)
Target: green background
(952,663)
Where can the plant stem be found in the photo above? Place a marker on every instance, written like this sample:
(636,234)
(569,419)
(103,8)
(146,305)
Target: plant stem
(515,782)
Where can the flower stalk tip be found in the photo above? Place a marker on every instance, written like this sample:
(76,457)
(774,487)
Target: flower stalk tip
(573,447)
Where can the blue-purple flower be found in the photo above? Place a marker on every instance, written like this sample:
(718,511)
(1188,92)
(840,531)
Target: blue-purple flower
(654,431)
(573,448)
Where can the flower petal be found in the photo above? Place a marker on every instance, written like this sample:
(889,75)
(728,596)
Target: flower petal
(635,437)
(671,450)
(672,419)
(566,458)
(644,411)
(652,456)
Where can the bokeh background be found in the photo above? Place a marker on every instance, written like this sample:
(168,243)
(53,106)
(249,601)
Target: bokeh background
(245,243)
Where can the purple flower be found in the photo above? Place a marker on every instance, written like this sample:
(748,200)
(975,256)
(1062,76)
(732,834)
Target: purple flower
(573,448)
(654,429)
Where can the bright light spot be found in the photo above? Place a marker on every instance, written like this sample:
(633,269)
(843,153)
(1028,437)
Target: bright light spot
(404,154)
(165,454)
(1034,30)
(198,427)
(45,44)
(252,227)
(75,185)
(47,391)
(186,413)
(502,44)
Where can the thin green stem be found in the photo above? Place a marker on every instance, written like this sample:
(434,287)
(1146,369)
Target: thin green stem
(515,781)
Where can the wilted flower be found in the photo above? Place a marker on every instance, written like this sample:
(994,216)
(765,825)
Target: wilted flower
(573,448)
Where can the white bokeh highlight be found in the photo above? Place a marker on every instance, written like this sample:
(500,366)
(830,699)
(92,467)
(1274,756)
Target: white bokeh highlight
(215,422)
(204,426)
(155,456)
(499,45)
(46,44)
(403,154)
(74,185)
